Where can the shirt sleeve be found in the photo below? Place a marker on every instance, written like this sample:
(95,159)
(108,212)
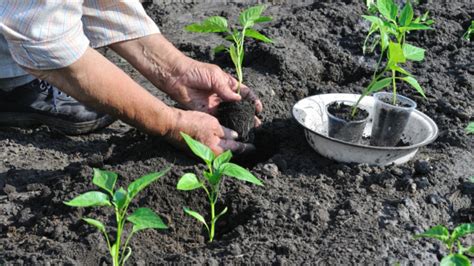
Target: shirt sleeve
(43,34)
(110,21)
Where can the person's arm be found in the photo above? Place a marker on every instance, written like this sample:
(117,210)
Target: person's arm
(196,85)
(96,82)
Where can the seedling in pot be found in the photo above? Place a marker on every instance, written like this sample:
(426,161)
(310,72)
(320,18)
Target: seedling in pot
(236,36)
(119,200)
(452,241)
(388,30)
(217,167)
(344,126)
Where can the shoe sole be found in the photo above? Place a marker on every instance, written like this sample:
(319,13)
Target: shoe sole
(63,126)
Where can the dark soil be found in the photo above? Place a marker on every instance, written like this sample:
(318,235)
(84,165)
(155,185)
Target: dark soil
(389,100)
(238,116)
(311,210)
(344,112)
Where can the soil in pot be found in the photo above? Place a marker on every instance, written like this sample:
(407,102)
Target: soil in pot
(390,120)
(342,125)
(238,116)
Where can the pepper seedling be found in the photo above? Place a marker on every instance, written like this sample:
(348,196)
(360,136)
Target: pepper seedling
(388,31)
(217,24)
(470,128)
(452,241)
(119,200)
(470,31)
(217,167)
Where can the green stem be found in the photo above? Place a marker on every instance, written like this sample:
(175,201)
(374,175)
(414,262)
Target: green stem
(213,222)
(116,254)
(394,87)
(125,248)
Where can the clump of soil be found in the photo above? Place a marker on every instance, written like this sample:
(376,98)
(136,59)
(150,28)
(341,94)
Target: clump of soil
(398,103)
(238,116)
(344,112)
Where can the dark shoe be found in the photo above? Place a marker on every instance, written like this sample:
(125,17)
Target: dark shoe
(40,103)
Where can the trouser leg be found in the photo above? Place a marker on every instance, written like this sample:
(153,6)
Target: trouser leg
(11,74)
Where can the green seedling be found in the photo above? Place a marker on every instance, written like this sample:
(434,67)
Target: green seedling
(217,167)
(236,35)
(452,242)
(388,30)
(119,200)
(470,128)
(470,31)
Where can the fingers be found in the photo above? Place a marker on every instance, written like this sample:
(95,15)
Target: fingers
(236,147)
(250,96)
(225,88)
(257,122)
(230,134)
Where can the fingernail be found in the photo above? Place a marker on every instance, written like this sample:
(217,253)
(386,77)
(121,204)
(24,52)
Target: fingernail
(234,134)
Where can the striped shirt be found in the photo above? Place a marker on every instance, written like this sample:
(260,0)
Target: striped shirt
(50,34)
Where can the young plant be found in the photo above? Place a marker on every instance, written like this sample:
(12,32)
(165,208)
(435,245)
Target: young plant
(217,167)
(470,128)
(248,18)
(470,31)
(388,31)
(118,200)
(452,241)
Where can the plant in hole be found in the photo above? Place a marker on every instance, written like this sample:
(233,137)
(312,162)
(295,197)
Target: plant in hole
(470,128)
(119,200)
(248,18)
(452,241)
(388,30)
(470,31)
(217,167)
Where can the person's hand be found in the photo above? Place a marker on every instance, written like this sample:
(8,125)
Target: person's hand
(207,130)
(201,86)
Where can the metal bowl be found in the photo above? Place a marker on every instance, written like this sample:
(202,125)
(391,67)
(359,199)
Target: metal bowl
(311,113)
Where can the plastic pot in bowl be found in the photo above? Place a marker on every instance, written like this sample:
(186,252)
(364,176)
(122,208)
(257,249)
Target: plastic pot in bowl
(390,120)
(342,124)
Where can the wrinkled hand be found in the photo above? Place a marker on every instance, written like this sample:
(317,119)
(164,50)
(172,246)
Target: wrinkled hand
(201,87)
(206,129)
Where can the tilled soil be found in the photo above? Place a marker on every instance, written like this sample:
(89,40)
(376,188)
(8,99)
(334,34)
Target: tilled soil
(311,210)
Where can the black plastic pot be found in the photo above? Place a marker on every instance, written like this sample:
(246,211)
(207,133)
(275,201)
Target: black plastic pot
(341,125)
(390,120)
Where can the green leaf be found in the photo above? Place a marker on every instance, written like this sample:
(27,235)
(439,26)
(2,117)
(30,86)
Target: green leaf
(378,86)
(414,83)
(90,199)
(388,9)
(105,180)
(248,17)
(471,179)
(462,230)
(144,218)
(263,19)
(136,186)
(199,149)
(470,128)
(214,178)
(224,211)
(257,35)
(439,232)
(196,215)
(413,53)
(220,48)
(425,16)
(406,16)
(99,225)
(188,181)
(400,70)
(470,250)
(395,53)
(120,197)
(415,26)
(238,172)
(233,55)
(211,24)
(221,159)
(455,260)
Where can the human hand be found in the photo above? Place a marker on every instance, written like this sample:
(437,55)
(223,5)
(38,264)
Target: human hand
(201,86)
(207,130)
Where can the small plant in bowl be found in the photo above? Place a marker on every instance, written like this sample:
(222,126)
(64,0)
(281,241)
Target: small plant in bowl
(217,167)
(452,241)
(119,200)
(344,125)
(238,116)
(388,30)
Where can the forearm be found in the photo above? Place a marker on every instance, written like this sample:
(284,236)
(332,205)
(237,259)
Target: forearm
(155,57)
(96,82)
